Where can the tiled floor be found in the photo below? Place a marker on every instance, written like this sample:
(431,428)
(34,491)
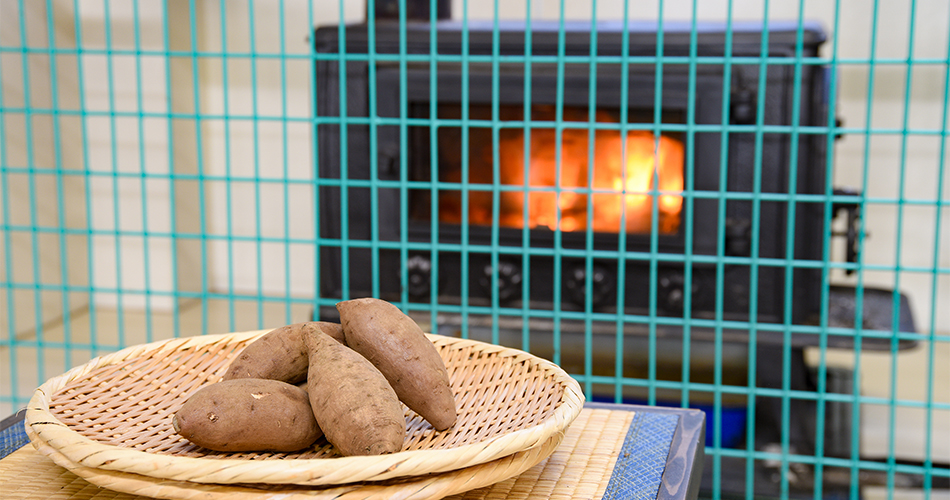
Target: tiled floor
(107,329)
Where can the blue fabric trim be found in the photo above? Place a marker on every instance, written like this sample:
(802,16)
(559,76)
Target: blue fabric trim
(13,438)
(642,458)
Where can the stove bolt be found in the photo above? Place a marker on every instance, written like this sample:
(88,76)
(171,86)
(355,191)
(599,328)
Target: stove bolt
(601,284)
(738,241)
(671,286)
(743,107)
(419,276)
(507,282)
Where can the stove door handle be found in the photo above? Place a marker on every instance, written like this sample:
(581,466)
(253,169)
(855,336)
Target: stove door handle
(852,230)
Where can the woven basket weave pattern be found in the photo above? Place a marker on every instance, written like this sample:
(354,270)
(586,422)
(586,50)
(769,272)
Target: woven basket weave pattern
(507,401)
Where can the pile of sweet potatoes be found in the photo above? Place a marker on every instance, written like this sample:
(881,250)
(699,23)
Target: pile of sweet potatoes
(356,373)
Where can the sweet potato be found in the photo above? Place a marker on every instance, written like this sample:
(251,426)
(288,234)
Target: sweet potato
(396,345)
(280,354)
(355,405)
(248,415)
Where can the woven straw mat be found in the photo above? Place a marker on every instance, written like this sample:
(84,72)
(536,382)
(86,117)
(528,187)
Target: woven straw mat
(114,413)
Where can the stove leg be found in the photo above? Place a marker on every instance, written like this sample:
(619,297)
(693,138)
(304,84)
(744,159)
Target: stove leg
(801,413)
(770,412)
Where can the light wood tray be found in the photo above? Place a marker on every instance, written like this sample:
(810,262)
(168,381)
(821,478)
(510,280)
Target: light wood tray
(114,414)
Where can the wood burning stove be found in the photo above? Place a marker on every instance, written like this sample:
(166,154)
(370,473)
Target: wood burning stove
(521,147)
(676,199)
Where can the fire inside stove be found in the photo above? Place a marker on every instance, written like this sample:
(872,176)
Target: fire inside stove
(618,183)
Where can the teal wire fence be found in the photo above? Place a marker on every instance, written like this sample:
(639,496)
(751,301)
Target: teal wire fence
(184,168)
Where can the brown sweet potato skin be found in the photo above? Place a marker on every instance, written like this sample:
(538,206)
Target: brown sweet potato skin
(280,354)
(396,345)
(248,415)
(356,407)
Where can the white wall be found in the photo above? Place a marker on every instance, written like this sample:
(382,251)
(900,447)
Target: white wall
(268,148)
(217,148)
(129,147)
(43,142)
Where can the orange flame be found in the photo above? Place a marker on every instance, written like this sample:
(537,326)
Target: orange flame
(621,177)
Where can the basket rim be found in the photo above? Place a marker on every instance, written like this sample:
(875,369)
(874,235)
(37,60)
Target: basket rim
(416,488)
(87,452)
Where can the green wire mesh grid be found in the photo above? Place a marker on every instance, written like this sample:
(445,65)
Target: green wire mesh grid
(165,172)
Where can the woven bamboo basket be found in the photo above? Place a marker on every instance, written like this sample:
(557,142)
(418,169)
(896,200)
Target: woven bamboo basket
(114,414)
(425,487)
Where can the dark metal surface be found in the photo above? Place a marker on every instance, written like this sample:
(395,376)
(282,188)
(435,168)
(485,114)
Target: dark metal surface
(416,10)
(394,84)
(711,37)
(877,316)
